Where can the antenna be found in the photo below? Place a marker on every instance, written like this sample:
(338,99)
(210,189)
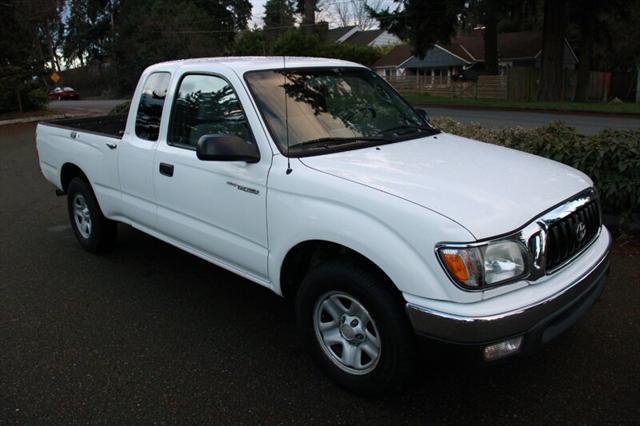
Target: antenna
(286,111)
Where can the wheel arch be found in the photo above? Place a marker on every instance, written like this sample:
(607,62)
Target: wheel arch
(308,254)
(68,171)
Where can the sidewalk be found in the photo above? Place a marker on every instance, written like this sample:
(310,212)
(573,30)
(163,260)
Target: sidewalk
(64,109)
(37,116)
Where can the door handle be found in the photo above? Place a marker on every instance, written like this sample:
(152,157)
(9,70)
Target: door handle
(166,169)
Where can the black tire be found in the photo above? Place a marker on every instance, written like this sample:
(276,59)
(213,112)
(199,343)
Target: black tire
(397,355)
(102,232)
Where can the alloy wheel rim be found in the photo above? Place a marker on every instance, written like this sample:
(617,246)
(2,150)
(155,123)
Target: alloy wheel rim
(347,333)
(82,215)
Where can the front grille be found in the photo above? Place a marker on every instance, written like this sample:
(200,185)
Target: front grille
(563,235)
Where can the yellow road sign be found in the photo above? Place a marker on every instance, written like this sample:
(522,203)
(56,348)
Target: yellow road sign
(55,77)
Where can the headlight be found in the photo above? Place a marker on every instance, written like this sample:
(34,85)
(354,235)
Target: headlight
(484,265)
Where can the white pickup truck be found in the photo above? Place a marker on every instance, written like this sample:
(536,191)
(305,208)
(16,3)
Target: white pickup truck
(318,181)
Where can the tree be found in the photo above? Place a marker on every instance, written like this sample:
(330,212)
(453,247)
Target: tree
(307,8)
(89,30)
(278,17)
(354,12)
(422,22)
(250,43)
(498,16)
(520,15)
(585,15)
(151,31)
(553,41)
(606,36)
(490,9)
(24,52)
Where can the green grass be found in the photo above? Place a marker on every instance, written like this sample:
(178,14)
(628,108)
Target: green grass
(626,108)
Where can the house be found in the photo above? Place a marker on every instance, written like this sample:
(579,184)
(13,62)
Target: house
(354,35)
(393,63)
(465,55)
(340,34)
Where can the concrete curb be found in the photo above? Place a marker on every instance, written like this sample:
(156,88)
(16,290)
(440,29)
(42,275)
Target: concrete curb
(44,118)
(31,119)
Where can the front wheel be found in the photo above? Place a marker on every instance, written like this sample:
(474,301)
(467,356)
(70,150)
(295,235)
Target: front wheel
(355,327)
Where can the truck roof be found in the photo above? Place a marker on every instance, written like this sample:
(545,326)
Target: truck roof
(242,64)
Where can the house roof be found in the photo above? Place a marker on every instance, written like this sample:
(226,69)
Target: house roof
(459,50)
(395,57)
(363,38)
(336,33)
(519,45)
(436,57)
(468,50)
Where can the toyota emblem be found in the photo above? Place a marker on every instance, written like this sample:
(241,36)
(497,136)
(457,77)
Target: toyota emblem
(581,231)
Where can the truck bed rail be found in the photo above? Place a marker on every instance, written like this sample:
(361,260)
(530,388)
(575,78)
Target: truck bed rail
(106,125)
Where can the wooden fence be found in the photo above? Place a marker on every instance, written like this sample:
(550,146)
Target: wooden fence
(487,86)
(519,84)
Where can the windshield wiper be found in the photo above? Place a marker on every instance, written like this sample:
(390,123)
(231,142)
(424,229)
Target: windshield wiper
(411,129)
(331,142)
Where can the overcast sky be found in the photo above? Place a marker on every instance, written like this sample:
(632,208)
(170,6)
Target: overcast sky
(257,11)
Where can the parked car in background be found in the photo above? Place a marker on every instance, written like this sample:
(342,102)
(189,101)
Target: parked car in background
(321,183)
(62,93)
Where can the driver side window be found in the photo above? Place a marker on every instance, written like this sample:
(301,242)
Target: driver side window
(205,105)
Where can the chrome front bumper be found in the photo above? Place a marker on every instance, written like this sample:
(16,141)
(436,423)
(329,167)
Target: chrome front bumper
(539,322)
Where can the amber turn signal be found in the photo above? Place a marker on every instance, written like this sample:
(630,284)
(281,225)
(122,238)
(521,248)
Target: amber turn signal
(456,266)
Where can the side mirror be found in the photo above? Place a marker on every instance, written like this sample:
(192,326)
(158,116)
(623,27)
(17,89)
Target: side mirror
(226,148)
(424,114)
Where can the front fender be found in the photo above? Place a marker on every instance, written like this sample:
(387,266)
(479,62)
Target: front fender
(396,235)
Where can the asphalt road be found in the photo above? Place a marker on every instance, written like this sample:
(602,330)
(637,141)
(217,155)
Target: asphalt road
(587,124)
(147,333)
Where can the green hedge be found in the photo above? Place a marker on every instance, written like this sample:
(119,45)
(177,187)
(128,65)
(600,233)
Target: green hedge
(122,108)
(611,158)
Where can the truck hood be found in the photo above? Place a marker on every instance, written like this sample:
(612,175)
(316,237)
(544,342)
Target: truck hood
(488,189)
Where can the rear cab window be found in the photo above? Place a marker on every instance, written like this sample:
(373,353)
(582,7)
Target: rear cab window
(151,105)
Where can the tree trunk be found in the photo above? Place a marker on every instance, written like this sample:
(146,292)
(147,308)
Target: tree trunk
(19,98)
(309,18)
(491,38)
(552,50)
(585,53)
(638,83)
(55,64)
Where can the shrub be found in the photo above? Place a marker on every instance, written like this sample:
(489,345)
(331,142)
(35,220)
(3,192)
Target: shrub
(250,43)
(611,158)
(33,95)
(122,108)
(36,99)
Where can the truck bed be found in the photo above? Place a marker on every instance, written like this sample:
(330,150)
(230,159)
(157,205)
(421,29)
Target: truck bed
(106,125)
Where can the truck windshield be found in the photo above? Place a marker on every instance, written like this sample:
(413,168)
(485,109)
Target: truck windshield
(329,109)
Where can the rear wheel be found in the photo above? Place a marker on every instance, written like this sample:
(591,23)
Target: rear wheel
(355,327)
(94,231)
